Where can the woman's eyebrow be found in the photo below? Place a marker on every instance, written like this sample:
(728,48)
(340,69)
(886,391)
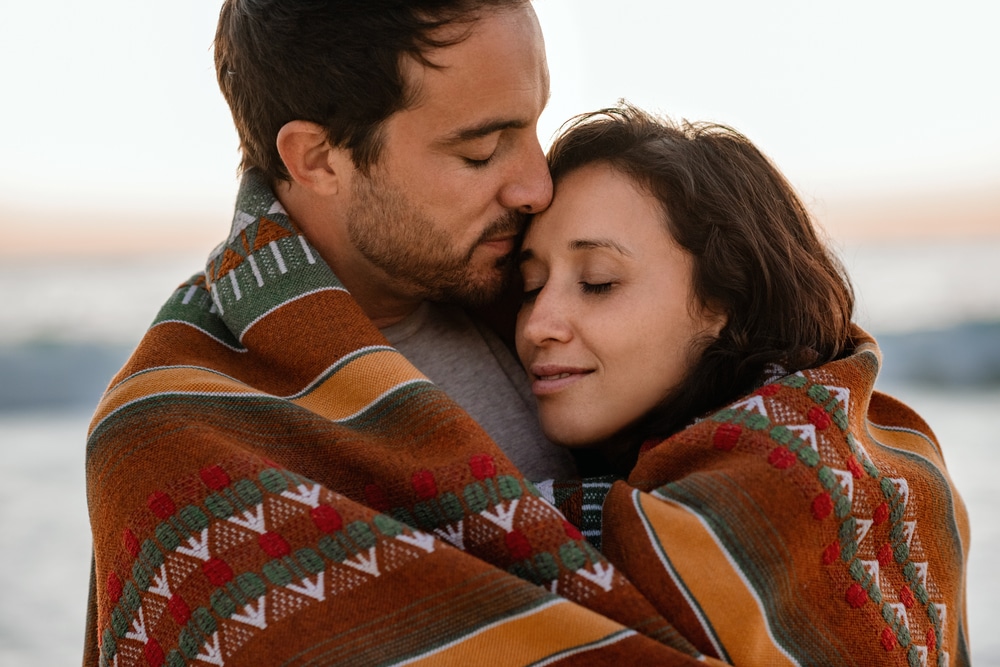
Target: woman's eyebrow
(527,254)
(593,244)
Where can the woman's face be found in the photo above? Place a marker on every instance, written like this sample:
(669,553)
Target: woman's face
(608,319)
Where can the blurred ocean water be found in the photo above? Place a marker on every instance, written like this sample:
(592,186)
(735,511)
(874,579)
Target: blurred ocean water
(66,326)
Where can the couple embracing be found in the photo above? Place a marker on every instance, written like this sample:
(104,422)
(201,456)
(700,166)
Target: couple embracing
(442,399)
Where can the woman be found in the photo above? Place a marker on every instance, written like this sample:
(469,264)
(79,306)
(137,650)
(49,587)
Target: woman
(684,326)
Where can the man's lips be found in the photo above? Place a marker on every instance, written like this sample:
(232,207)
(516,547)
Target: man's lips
(500,244)
(552,378)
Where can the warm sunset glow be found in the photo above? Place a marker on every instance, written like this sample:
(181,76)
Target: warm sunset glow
(116,137)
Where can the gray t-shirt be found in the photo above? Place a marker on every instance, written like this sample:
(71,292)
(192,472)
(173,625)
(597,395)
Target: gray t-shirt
(473,366)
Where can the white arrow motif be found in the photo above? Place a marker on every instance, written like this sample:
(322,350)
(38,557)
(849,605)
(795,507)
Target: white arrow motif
(138,631)
(254,520)
(453,533)
(922,654)
(862,528)
(942,612)
(307,587)
(752,403)
(842,393)
(255,617)
(504,516)
(418,539)
(160,584)
(909,529)
(863,453)
(369,564)
(922,574)
(846,482)
(554,586)
(305,495)
(546,489)
(902,487)
(197,547)
(872,568)
(210,652)
(900,610)
(601,575)
(807,432)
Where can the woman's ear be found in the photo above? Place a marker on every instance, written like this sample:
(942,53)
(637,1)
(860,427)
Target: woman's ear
(714,319)
(310,159)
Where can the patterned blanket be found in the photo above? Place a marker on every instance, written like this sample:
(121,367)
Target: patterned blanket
(269,482)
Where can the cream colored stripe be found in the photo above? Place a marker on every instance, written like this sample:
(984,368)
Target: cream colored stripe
(169,380)
(527,638)
(351,389)
(734,611)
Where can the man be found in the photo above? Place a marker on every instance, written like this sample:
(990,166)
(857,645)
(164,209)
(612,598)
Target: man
(409,187)
(269,482)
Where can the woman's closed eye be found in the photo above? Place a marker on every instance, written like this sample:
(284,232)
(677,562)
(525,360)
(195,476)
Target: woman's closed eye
(529,295)
(596,288)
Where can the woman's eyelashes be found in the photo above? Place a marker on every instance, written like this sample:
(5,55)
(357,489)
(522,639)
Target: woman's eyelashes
(596,288)
(529,295)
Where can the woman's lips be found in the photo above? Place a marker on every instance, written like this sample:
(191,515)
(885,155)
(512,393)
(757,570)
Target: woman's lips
(549,379)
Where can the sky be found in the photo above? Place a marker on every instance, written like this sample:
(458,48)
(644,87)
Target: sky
(113,126)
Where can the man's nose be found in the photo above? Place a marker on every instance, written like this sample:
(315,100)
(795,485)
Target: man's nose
(529,189)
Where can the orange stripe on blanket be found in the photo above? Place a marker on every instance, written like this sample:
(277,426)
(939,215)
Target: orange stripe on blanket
(731,608)
(351,389)
(358,384)
(907,440)
(544,632)
(172,380)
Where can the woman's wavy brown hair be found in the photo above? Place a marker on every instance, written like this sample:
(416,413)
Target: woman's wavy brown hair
(757,255)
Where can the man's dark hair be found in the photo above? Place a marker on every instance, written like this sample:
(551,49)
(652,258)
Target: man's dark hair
(336,63)
(756,254)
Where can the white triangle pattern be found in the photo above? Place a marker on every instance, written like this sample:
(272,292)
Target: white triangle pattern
(255,616)
(502,516)
(753,403)
(862,528)
(210,652)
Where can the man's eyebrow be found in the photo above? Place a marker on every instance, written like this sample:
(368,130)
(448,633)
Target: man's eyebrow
(482,130)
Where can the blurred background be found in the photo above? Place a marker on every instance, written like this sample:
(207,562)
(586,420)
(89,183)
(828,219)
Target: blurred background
(118,173)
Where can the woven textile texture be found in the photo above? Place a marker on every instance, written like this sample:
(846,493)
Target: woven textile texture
(270,482)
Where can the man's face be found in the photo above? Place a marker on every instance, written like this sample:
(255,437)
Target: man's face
(440,211)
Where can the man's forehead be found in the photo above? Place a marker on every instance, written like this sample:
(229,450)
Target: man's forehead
(455,39)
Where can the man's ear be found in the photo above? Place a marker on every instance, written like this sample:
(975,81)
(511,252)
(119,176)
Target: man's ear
(310,159)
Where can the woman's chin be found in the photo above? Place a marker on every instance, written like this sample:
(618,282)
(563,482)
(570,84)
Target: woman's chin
(573,438)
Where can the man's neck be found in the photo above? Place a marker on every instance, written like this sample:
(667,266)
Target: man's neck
(381,300)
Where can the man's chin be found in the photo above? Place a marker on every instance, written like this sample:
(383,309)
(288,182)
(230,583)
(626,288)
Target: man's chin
(479,290)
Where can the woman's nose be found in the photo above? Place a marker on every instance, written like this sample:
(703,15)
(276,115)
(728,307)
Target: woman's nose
(545,319)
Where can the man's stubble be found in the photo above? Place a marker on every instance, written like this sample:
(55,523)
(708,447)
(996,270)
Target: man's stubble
(421,259)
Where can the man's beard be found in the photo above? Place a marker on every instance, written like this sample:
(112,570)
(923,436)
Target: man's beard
(421,259)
